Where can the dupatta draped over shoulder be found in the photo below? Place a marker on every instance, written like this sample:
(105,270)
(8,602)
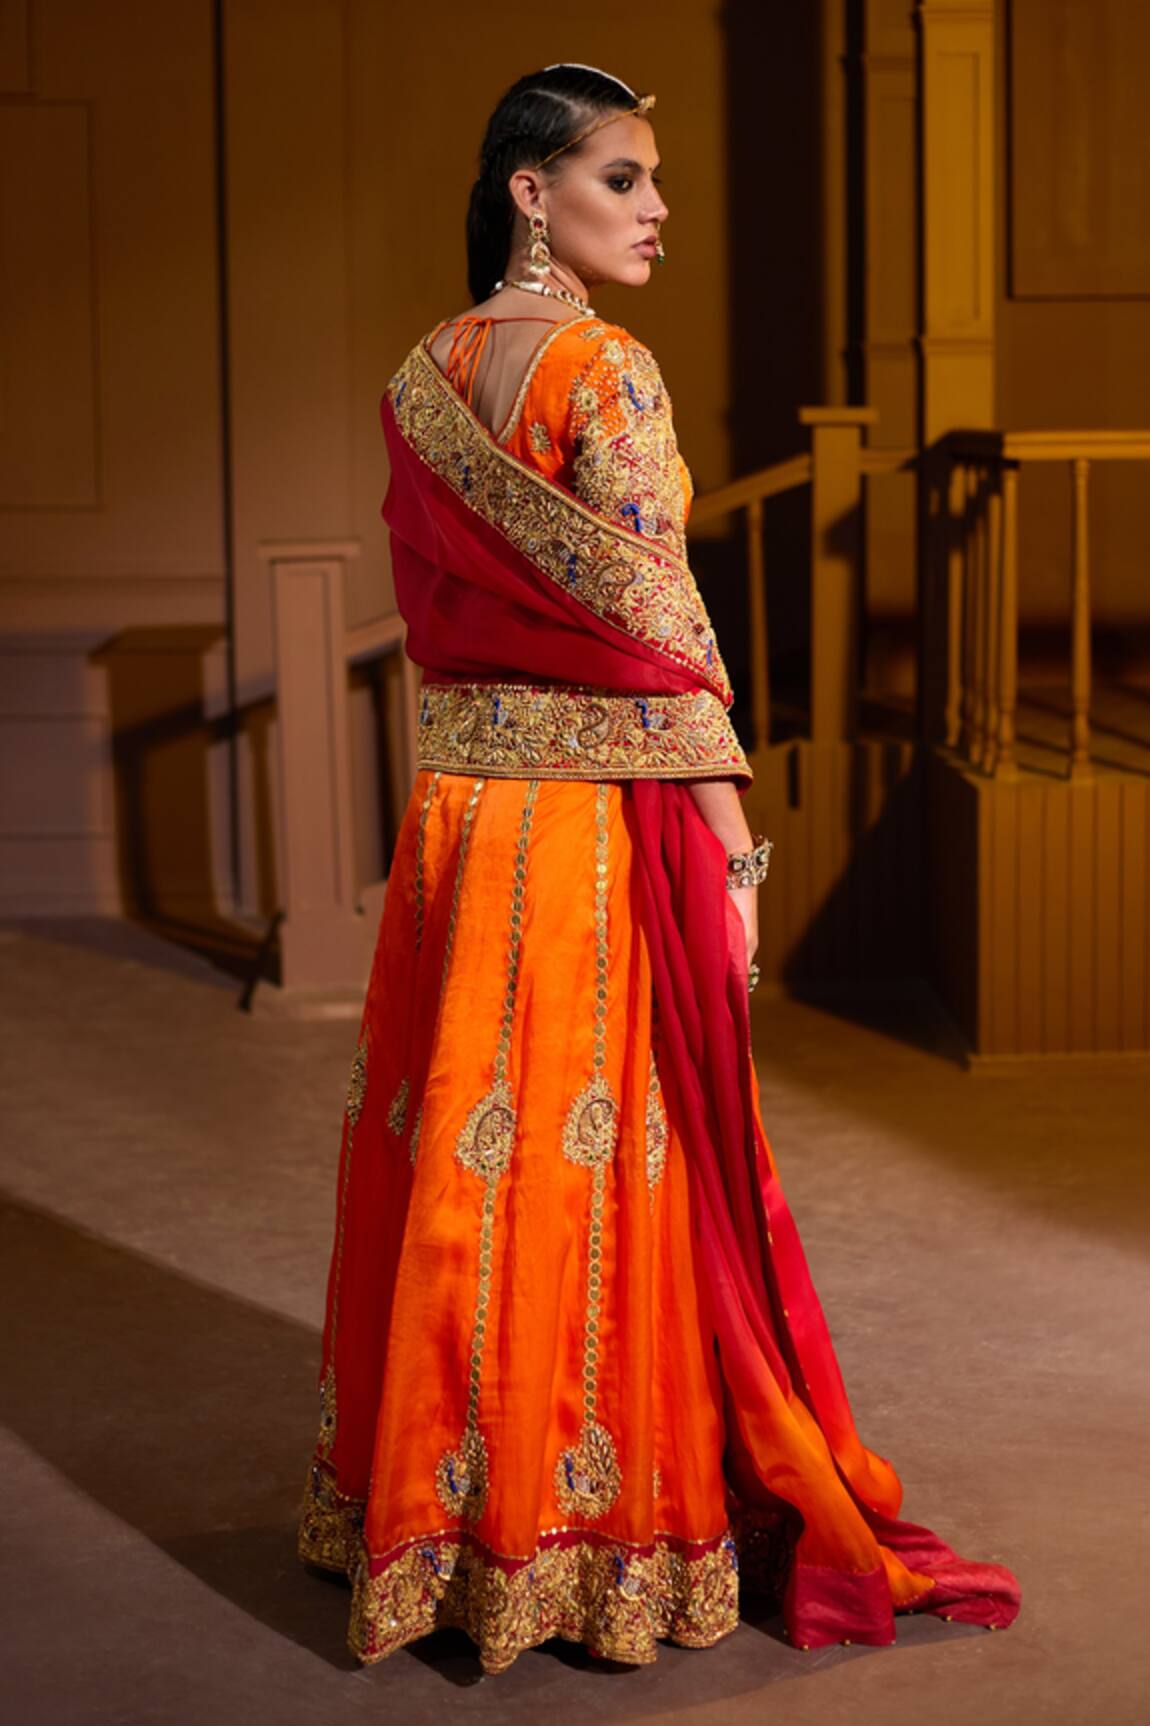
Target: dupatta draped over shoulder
(561,635)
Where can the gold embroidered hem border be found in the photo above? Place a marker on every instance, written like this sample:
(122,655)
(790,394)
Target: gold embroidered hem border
(616,1597)
(554,731)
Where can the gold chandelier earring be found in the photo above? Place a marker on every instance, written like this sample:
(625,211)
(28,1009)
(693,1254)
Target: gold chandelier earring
(539,258)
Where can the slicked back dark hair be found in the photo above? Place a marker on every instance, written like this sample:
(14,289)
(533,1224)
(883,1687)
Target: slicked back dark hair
(540,113)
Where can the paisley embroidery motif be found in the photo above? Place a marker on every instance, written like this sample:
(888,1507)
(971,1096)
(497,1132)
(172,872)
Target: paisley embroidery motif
(590,1128)
(488,1136)
(461,1476)
(587,1475)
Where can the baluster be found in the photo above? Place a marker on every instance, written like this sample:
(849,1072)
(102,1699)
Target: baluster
(1006,765)
(955,599)
(760,655)
(993,531)
(982,639)
(970,611)
(1080,625)
(977,540)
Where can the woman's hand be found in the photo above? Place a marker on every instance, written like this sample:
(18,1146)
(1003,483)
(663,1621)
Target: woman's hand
(747,905)
(721,808)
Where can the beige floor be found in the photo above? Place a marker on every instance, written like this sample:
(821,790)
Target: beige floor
(981,1249)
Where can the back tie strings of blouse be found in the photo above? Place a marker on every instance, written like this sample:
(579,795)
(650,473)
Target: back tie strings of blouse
(468,341)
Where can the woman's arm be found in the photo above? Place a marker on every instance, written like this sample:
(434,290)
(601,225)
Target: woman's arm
(722,809)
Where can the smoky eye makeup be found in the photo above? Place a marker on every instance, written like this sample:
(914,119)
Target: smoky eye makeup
(625,181)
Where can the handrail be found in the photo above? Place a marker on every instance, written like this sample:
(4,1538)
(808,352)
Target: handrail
(749,494)
(982,584)
(780,476)
(833,469)
(378,635)
(1100,444)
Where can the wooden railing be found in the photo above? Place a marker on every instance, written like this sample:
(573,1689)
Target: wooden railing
(981,585)
(834,469)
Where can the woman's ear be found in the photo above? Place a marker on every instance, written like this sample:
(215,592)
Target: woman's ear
(525,186)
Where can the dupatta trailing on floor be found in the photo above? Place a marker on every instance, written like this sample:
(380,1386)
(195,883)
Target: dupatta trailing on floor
(558,643)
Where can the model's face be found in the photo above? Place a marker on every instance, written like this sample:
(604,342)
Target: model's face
(603,204)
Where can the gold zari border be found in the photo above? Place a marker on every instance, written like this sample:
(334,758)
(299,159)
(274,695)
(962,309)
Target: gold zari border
(640,587)
(556,731)
(618,1597)
(615,1598)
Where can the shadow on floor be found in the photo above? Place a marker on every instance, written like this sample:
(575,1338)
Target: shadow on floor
(122,938)
(189,1415)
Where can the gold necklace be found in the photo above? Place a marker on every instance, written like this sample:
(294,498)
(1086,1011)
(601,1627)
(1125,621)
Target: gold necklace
(564,294)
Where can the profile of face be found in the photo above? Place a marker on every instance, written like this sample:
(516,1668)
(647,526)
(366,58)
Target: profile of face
(602,203)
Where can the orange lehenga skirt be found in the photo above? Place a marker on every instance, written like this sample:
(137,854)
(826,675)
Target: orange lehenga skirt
(522,1422)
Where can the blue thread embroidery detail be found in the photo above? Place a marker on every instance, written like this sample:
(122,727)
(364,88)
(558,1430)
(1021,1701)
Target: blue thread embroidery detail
(640,404)
(632,513)
(572,567)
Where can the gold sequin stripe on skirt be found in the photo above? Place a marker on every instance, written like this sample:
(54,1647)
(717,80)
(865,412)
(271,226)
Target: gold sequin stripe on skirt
(484,1147)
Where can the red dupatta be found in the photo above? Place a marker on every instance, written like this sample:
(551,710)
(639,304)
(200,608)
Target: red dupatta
(506,577)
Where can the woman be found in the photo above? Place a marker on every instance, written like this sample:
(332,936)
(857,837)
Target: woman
(576,1380)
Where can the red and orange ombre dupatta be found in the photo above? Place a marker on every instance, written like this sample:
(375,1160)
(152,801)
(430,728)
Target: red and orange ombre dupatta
(505,578)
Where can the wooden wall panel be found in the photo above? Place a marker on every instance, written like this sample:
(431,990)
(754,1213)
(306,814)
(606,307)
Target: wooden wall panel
(48,452)
(1080,140)
(845,894)
(1056,904)
(57,834)
(1031,956)
(1057,908)
(15,47)
(1134,926)
(1107,922)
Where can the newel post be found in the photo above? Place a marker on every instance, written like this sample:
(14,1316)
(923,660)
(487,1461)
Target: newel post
(836,566)
(322,940)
